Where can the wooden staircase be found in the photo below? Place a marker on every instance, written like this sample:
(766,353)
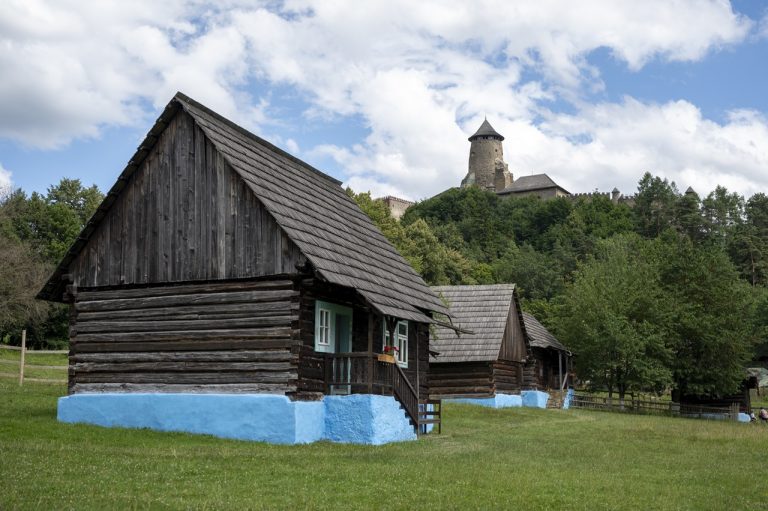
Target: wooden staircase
(417,411)
(556,399)
(354,372)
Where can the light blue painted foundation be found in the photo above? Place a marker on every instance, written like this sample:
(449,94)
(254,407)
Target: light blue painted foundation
(535,398)
(366,419)
(529,398)
(497,401)
(568,399)
(359,418)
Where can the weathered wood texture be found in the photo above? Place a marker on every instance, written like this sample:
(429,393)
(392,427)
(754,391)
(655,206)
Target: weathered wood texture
(513,343)
(184,215)
(539,336)
(488,312)
(461,379)
(238,336)
(530,375)
(547,373)
(311,363)
(508,376)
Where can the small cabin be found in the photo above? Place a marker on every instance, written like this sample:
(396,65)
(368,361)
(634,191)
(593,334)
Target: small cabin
(490,359)
(550,362)
(226,287)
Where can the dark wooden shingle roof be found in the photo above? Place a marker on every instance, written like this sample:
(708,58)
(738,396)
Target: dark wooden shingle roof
(340,241)
(480,309)
(539,336)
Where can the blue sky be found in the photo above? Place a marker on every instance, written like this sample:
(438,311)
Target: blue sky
(383,95)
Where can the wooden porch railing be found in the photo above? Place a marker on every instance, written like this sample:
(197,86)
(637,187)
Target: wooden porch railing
(362,372)
(357,371)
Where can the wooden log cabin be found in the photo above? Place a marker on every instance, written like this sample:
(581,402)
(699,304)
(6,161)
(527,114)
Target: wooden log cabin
(499,357)
(491,359)
(220,265)
(550,363)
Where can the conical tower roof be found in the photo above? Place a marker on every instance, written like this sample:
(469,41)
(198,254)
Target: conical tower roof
(485,130)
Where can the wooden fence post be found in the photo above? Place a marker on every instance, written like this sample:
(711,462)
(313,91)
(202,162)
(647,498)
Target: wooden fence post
(23,352)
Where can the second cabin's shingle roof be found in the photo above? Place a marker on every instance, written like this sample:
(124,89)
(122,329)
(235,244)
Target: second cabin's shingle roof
(340,241)
(539,336)
(480,309)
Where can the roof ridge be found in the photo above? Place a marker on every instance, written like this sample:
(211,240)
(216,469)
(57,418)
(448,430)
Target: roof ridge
(310,207)
(410,284)
(183,98)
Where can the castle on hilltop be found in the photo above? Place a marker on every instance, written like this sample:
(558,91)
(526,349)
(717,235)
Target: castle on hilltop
(488,170)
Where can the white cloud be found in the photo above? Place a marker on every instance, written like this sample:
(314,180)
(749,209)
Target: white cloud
(70,68)
(420,75)
(6,184)
(423,82)
(609,145)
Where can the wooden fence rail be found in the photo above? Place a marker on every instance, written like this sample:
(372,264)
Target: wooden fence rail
(22,364)
(639,406)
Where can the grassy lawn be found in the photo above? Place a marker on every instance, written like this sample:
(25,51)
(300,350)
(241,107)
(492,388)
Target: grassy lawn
(9,364)
(485,459)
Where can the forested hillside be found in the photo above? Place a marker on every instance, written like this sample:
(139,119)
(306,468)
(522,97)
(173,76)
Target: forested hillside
(35,233)
(668,294)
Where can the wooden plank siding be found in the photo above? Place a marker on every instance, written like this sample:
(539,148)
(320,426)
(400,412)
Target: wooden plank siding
(184,215)
(461,379)
(513,347)
(240,336)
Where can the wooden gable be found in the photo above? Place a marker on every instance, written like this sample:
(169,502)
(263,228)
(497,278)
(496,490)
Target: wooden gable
(180,214)
(513,345)
(184,215)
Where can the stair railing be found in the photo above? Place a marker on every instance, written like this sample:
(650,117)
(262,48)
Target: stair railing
(405,393)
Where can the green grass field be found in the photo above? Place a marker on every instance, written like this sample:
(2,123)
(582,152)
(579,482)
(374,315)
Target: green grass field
(485,459)
(9,364)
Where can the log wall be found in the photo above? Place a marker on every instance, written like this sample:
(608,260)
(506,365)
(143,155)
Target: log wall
(461,379)
(508,376)
(238,336)
(530,378)
(183,216)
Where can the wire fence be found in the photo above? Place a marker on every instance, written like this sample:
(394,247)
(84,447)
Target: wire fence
(22,364)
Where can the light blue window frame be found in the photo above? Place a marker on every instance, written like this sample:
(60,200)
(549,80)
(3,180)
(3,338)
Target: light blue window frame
(333,327)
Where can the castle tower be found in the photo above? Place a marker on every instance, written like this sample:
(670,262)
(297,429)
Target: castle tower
(486,160)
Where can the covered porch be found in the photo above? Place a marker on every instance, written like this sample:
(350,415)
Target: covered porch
(367,372)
